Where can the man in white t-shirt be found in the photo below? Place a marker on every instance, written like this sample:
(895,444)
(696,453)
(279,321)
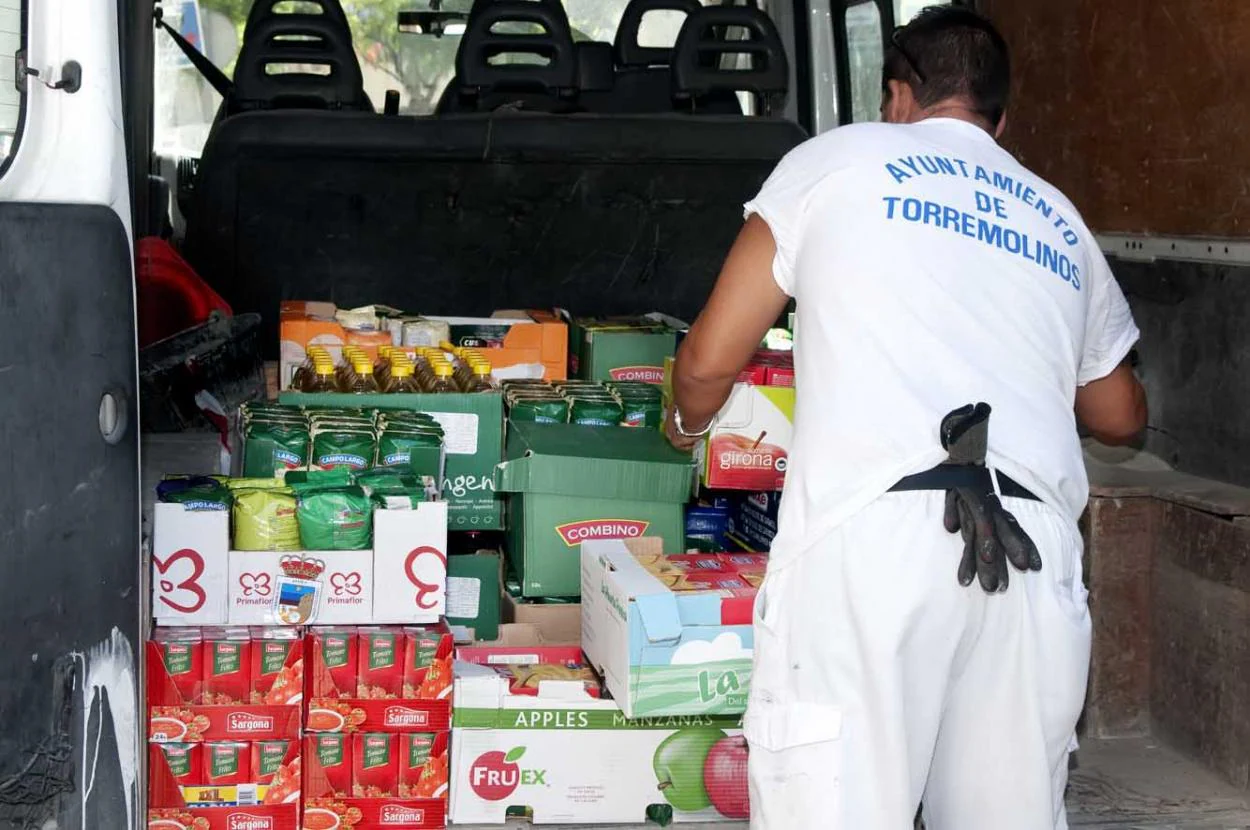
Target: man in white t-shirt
(899,660)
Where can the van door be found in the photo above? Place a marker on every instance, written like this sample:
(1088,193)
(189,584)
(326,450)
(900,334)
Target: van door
(69,501)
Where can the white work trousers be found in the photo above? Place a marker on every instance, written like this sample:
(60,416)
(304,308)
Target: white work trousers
(880,682)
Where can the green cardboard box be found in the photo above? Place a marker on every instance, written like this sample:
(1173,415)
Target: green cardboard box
(472,442)
(474,595)
(622,348)
(569,483)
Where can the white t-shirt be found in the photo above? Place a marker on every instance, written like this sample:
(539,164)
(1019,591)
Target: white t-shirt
(931,270)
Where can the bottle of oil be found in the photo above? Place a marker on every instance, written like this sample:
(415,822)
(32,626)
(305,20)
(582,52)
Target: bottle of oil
(322,379)
(481,380)
(402,379)
(363,381)
(443,378)
(382,366)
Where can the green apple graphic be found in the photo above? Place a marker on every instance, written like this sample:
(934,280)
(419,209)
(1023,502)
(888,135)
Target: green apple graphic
(678,765)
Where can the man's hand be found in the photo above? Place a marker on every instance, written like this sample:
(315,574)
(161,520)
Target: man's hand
(682,442)
(744,305)
(1113,408)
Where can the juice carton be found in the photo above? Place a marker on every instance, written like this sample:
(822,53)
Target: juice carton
(381,664)
(272,681)
(375,768)
(185,763)
(182,651)
(227,763)
(333,751)
(423,765)
(227,666)
(420,649)
(338,650)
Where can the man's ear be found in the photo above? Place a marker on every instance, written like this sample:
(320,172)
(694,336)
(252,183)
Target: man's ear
(900,103)
(1001,126)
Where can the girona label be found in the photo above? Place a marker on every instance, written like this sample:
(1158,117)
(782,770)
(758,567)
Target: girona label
(247,821)
(392,814)
(643,374)
(247,722)
(575,533)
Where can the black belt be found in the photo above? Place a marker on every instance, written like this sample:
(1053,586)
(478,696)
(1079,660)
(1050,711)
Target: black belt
(949,476)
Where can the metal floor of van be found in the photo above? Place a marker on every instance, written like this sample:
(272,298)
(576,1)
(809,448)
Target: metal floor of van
(1122,784)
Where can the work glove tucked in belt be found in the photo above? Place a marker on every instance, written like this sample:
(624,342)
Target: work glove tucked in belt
(992,536)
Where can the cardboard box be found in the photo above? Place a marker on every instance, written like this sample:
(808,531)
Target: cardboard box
(623,348)
(568,757)
(572,483)
(425,807)
(279,784)
(472,443)
(553,623)
(198,580)
(174,716)
(753,520)
(517,343)
(663,652)
(333,704)
(473,595)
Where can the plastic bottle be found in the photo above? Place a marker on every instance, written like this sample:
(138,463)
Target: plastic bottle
(444,378)
(481,380)
(382,366)
(321,378)
(402,379)
(363,382)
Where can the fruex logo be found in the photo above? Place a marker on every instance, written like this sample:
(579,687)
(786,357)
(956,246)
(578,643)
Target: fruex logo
(247,821)
(574,533)
(495,775)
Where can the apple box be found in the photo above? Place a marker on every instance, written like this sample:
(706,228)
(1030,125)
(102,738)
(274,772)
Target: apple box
(663,651)
(198,580)
(569,758)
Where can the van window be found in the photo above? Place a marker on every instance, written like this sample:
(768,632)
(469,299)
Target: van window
(417,65)
(10,99)
(866,37)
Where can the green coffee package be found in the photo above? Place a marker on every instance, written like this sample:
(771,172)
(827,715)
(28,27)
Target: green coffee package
(264,519)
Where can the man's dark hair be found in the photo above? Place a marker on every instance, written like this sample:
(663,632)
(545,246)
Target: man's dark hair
(948,52)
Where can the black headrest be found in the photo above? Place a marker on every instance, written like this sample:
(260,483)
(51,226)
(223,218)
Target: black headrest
(296,40)
(628,52)
(330,9)
(697,59)
(595,71)
(476,74)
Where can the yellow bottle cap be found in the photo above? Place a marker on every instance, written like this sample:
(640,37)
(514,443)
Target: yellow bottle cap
(443,370)
(401,370)
(481,369)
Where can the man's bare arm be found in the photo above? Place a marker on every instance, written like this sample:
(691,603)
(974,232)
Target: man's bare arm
(1113,408)
(744,305)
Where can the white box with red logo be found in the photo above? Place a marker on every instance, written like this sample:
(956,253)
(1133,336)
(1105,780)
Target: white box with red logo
(569,757)
(198,580)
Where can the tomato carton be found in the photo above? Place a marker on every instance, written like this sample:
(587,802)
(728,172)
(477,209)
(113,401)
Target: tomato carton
(333,752)
(227,666)
(175,718)
(227,763)
(572,759)
(375,764)
(682,649)
(423,764)
(381,655)
(185,762)
(182,654)
(336,649)
(276,678)
(380,675)
(202,806)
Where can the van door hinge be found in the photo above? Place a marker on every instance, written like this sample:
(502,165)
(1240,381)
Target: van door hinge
(70,81)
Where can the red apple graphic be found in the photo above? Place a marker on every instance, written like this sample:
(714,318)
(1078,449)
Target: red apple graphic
(725,776)
(494,776)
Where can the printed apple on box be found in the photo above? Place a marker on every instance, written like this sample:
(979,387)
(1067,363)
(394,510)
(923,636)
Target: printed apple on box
(570,757)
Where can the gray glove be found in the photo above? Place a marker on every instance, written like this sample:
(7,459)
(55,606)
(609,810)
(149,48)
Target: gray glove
(992,536)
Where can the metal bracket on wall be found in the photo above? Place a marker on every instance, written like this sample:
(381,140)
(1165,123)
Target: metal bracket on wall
(1179,248)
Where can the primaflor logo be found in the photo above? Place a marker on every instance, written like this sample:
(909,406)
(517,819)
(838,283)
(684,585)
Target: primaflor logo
(575,533)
